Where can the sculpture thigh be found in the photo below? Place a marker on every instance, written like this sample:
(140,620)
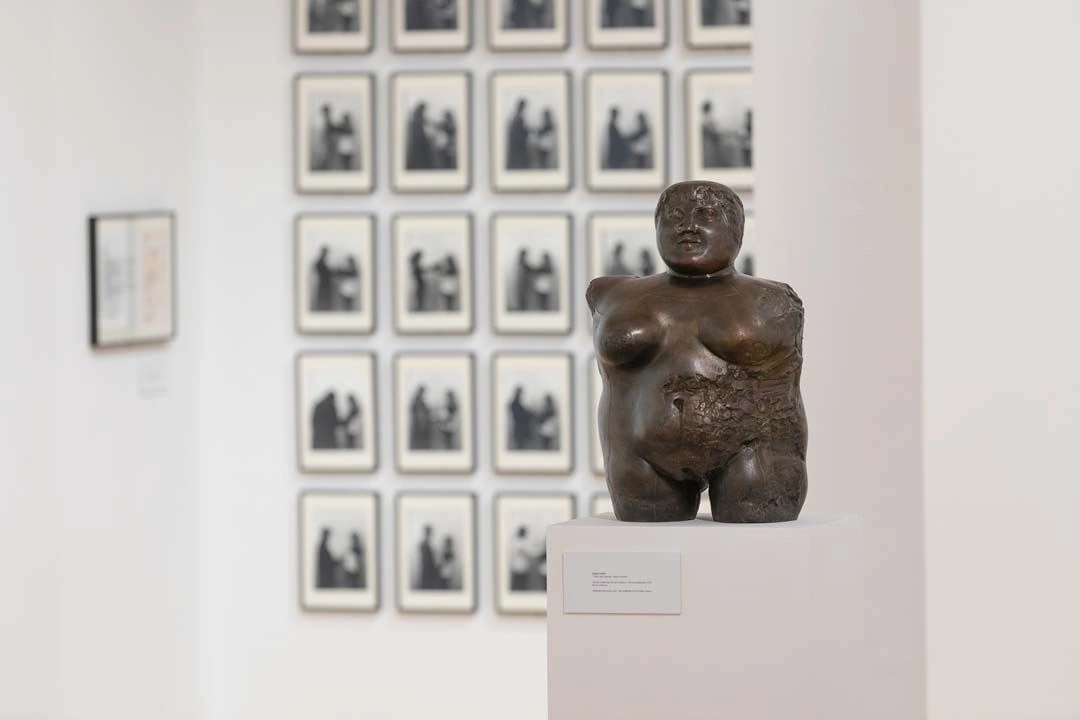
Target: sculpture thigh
(640,494)
(762,483)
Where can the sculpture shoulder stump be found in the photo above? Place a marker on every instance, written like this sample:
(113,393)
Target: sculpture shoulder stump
(701,369)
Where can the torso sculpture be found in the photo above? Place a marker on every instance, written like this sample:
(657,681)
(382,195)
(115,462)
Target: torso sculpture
(701,370)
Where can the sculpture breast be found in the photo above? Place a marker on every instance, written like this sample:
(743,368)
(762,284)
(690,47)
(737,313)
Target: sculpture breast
(701,369)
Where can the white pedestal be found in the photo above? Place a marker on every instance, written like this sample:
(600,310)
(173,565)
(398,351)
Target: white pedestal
(771,626)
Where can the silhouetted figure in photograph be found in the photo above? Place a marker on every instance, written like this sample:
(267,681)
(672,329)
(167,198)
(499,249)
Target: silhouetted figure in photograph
(748,138)
(356,576)
(350,425)
(521,560)
(639,13)
(648,265)
(517,141)
(326,566)
(420,421)
(641,144)
(617,151)
(450,424)
(419,153)
(449,283)
(348,285)
(324,282)
(324,423)
(544,143)
(447,566)
(746,267)
(524,280)
(521,421)
(617,265)
(710,137)
(325,16)
(416,268)
(430,578)
(446,147)
(346,148)
(543,283)
(547,424)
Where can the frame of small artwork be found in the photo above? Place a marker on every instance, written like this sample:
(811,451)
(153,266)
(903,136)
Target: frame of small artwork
(532,273)
(435,412)
(719,127)
(718,24)
(433,283)
(334,127)
(537,158)
(521,522)
(336,412)
(323,27)
(335,274)
(132,265)
(624,154)
(435,552)
(418,26)
(624,25)
(339,549)
(431,152)
(514,26)
(533,413)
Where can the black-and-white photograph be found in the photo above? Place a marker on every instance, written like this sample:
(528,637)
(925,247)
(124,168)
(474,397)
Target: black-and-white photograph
(531,274)
(336,412)
(332,26)
(626,24)
(436,552)
(335,259)
(718,23)
(431,25)
(530,131)
(433,273)
(626,129)
(334,131)
(623,244)
(132,279)
(431,132)
(533,409)
(339,553)
(528,24)
(521,523)
(747,261)
(434,401)
(720,127)
(596,393)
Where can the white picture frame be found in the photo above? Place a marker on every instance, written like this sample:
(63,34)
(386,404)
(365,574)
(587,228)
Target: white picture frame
(719,127)
(531,131)
(719,24)
(433,281)
(626,130)
(430,26)
(528,26)
(626,24)
(431,152)
(344,27)
(533,410)
(339,551)
(531,273)
(334,127)
(443,582)
(521,523)
(335,274)
(336,412)
(435,412)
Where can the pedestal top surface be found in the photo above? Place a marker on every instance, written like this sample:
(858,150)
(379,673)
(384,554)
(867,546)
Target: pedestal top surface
(608,521)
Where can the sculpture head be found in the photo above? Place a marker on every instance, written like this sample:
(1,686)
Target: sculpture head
(699,228)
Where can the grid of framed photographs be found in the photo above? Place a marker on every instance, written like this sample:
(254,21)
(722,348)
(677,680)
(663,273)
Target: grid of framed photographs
(466,195)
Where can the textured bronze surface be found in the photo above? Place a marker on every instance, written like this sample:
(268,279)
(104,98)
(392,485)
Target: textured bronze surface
(701,370)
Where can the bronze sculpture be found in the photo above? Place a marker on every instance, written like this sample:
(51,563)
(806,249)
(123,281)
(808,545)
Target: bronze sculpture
(700,368)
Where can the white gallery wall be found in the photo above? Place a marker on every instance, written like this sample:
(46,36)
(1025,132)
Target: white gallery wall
(1000,242)
(98,608)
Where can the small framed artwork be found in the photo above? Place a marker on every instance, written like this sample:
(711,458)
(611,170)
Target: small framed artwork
(436,552)
(747,260)
(528,24)
(434,402)
(431,25)
(600,504)
(626,131)
(718,23)
(132,279)
(596,392)
(339,551)
(531,275)
(335,412)
(433,273)
(334,128)
(720,127)
(521,523)
(623,244)
(533,410)
(430,128)
(332,26)
(626,24)
(335,274)
(530,131)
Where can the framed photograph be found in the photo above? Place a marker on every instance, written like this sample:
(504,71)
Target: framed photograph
(431,25)
(533,411)
(332,26)
(720,127)
(434,398)
(335,274)
(623,244)
(528,24)
(436,552)
(431,131)
(335,412)
(132,279)
(335,127)
(626,130)
(596,391)
(433,273)
(626,24)
(600,504)
(521,523)
(339,551)
(530,131)
(746,263)
(531,275)
(718,23)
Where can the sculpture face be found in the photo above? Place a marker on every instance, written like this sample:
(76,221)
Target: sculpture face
(698,229)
